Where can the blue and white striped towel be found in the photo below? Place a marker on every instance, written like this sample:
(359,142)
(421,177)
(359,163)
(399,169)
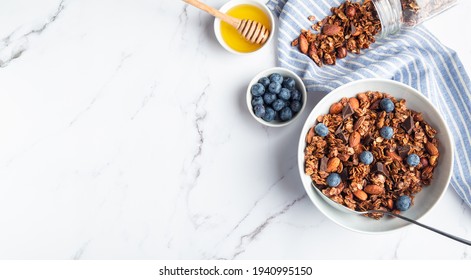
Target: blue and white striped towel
(414,57)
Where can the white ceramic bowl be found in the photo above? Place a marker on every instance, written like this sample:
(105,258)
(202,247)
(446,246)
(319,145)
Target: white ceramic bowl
(285,73)
(425,200)
(229,5)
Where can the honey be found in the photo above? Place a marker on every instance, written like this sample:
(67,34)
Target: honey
(232,37)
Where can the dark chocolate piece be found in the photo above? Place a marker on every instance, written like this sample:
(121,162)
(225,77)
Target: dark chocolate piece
(347,111)
(379,167)
(408,125)
(368,140)
(323,164)
(344,174)
(340,134)
(339,130)
(403,151)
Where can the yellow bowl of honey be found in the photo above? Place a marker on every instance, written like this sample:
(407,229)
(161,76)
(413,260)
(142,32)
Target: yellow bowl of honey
(230,38)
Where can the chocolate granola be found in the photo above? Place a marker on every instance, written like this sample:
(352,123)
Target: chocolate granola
(355,125)
(351,27)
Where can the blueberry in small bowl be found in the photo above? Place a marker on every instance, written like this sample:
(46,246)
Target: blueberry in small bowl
(276,97)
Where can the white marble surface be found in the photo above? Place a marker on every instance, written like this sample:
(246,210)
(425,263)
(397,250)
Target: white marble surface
(124,135)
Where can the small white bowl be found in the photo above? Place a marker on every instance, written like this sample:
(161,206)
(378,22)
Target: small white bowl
(229,5)
(285,73)
(423,201)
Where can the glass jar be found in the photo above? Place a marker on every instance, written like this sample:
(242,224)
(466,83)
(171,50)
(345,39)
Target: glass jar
(395,14)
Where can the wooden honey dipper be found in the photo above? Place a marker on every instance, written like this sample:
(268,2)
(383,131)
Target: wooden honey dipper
(252,31)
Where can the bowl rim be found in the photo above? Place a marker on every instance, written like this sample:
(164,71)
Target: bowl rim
(301,145)
(232,3)
(264,73)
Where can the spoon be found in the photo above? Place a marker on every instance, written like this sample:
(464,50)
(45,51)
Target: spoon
(252,31)
(456,238)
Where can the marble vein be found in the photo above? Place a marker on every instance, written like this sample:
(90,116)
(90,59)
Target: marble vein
(12,49)
(146,99)
(257,202)
(79,253)
(100,91)
(398,245)
(195,166)
(246,239)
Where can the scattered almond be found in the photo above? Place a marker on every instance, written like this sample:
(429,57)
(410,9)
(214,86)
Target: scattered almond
(331,29)
(303,44)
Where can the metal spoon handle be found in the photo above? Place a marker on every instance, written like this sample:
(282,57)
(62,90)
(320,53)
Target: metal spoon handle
(456,238)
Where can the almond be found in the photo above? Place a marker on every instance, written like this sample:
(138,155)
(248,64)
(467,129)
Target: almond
(373,189)
(336,108)
(303,44)
(331,29)
(332,164)
(390,204)
(354,103)
(354,139)
(309,135)
(361,195)
(394,156)
(431,148)
(427,172)
(359,122)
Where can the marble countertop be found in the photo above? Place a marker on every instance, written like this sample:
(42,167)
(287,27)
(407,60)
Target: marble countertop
(124,135)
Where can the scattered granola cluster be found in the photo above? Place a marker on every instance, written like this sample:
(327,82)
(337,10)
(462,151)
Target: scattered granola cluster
(369,151)
(351,27)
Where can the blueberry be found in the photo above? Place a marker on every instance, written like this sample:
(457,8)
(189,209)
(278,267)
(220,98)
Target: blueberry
(386,132)
(257,100)
(295,95)
(278,104)
(277,78)
(403,203)
(321,129)
(413,160)
(259,110)
(286,114)
(274,87)
(257,89)
(269,114)
(269,98)
(366,157)
(284,94)
(333,180)
(289,83)
(264,81)
(387,105)
(295,106)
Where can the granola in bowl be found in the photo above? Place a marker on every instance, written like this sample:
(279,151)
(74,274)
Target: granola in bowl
(371,152)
